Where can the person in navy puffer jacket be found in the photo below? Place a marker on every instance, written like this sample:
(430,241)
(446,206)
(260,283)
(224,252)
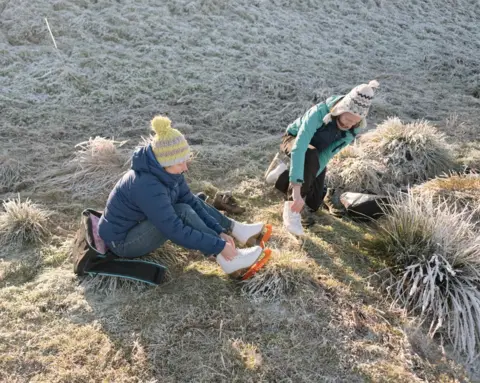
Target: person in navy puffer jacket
(152,203)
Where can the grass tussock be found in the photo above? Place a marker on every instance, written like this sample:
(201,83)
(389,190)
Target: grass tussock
(99,163)
(393,155)
(470,155)
(284,275)
(248,353)
(356,174)
(413,152)
(435,257)
(23,222)
(351,151)
(54,256)
(94,169)
(11,172)
(460,191)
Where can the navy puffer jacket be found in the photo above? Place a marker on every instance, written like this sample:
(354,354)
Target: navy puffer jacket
(147,191)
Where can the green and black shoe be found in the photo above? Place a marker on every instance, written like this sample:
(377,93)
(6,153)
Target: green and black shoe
(308,217)
(333,204)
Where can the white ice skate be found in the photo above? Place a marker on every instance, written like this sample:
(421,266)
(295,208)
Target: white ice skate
(244,259)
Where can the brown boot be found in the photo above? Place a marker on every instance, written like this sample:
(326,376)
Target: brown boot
(225,201)
(308,217)
(332,202)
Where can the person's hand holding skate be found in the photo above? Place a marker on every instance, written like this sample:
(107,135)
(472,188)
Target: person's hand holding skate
(229,252)
(298,201)
(228,239)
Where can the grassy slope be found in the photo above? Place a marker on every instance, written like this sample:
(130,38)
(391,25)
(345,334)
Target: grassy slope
(234,73)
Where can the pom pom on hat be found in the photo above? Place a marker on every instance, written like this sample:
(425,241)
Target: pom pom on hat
(169,145)
(161,125)
(373,84)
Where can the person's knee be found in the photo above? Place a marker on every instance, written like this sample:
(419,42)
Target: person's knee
(183,209)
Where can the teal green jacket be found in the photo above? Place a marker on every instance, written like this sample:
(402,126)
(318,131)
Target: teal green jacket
(304,128)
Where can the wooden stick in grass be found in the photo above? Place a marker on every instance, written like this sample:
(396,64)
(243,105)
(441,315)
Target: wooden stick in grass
(51,34)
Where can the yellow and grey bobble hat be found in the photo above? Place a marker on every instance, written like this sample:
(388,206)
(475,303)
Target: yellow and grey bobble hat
(169,145)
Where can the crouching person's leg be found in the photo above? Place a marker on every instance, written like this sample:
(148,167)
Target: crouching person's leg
(141,240)
(315,195)
(294,221)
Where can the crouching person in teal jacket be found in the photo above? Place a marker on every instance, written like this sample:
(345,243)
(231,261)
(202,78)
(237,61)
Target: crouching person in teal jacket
(310,142)
(152,203)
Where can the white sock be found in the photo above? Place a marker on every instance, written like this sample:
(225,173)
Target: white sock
(242,232)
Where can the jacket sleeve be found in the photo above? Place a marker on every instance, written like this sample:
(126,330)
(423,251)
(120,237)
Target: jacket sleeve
(152,198)
(187,197)
(309,124)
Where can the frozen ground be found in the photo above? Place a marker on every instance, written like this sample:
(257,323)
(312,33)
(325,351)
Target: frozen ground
(232,75)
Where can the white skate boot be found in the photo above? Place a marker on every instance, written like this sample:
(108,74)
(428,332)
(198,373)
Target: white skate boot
(244,259)
(291,220)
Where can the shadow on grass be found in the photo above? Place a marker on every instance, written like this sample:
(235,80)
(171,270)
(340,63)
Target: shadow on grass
(198,327)
(339,247)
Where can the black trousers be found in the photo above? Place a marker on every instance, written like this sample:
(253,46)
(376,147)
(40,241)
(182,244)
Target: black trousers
(313,187)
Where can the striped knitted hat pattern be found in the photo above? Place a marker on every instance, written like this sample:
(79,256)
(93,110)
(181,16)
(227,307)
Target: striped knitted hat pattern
(357,101)
(169,145)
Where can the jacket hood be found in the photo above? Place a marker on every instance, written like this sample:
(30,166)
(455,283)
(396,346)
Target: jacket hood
(144,161)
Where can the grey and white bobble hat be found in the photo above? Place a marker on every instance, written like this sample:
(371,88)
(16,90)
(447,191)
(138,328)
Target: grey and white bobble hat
(357,101)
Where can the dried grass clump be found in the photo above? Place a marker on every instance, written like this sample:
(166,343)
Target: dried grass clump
(392,156)
(356,174)
(99,163)
(352,151)
(23,223)
(469,155)
(284,275)
(460,191)
(11,172)
(145,141)
(435,257)
(56,255)
(412,153)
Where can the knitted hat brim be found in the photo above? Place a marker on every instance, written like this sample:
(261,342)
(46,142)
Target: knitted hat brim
(328,118)
(175,160)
